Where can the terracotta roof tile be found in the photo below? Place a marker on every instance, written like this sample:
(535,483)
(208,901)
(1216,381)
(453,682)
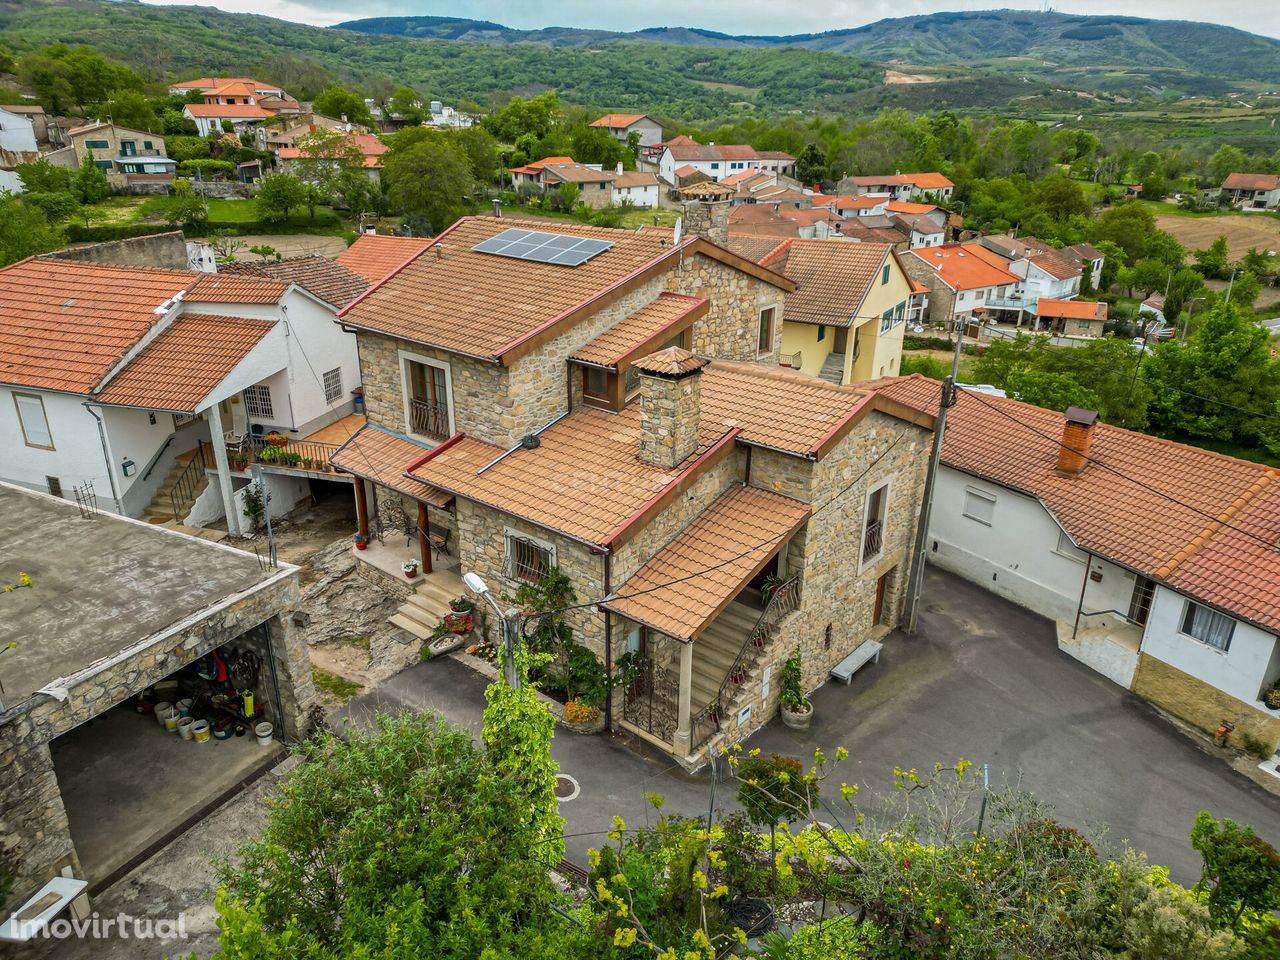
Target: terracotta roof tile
(1057,264)
(616,121)
(374,256)
(927,181)
(1251,181)
(633,178)
(576,173)
(1072,309)
(1124,518)
(903,206)
(832,279)
(707,190)
(236,288)
(176,371)
(695,576)
(961,268)
(229,111)
(664,313)
(332,282)
(379,455)
(63,324)
(671,362)
(752,247)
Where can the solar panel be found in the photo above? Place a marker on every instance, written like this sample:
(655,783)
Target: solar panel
(557,248)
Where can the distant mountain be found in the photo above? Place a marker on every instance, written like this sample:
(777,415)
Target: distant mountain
(934,39)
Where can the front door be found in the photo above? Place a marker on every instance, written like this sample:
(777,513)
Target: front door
(877,614)
(1140,601)
(840,344)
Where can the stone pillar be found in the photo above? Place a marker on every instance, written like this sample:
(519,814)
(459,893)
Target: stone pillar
(224,471)
(707,218)
(670,401)
(293,672)
(684,736)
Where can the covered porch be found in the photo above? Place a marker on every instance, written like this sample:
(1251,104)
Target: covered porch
(700,622)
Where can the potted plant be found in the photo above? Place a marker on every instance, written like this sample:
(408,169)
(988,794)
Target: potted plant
(458,623)
(277,439)
(797,711)
(362,542)
(461,605)
(1272,697)
(770,586)
(582,717)
(410,568)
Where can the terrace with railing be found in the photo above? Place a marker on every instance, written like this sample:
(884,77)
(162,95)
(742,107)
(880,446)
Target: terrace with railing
(309,455)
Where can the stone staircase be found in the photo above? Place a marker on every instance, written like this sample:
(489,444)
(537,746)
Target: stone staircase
(427,605)
(713,654)
(833,368)
(160,509)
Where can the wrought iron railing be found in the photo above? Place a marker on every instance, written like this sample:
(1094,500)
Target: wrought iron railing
(296,454)
(185,488)
(428,418)
(872,540)
(785,600)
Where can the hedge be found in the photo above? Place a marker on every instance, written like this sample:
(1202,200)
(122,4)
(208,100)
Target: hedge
(911,342)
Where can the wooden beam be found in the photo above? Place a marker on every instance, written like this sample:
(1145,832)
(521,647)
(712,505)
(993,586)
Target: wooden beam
(424,537)
(362,508)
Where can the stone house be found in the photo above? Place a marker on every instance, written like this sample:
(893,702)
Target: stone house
(90,782)
(1072,318)
(962,283)
(1157,560)
(133,160)
(626,421)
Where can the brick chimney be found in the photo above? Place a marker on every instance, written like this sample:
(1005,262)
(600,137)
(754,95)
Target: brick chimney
(1077,441)
(670,402)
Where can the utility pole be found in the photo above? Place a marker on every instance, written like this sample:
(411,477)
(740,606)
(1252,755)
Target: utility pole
(916,580)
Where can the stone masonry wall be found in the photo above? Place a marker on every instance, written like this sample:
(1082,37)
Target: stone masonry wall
(941,297)
(1200,704)
(729,330)
(33,821)
(669,422)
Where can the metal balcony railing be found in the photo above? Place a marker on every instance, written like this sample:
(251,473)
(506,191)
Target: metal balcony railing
(429,418)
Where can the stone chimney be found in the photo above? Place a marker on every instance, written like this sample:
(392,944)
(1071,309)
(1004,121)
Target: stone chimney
(1077,441)
(706,211)
(670,402)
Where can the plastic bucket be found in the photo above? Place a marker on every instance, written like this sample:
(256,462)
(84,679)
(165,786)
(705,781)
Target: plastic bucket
(161,708)
(184,727)
(184,707)
(170,720)
(263,732)
(200,731)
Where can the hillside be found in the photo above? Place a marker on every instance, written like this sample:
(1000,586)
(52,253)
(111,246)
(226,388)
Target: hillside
(684,82)
(940,38)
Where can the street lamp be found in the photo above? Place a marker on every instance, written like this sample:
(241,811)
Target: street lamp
(509,622)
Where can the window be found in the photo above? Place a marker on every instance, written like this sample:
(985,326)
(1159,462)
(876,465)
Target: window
(146,145)
(764,343)
(257,401)
(528,560)
(886,321)
(333,385)
(873,523)
(54,485)
(35,426)
(979,505)
(884,275)
(129,148)
(595,382)
(715,166)
(97,144)
(1068,549)
(822,333)
(427,389)
(1208,626)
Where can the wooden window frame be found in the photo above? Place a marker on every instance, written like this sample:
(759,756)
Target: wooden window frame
(771,312)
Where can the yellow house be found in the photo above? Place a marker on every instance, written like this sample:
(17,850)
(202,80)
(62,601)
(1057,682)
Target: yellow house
(846,318)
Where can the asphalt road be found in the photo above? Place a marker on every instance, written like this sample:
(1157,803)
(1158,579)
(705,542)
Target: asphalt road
(982,680)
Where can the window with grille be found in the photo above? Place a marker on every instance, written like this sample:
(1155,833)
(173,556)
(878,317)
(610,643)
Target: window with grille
(1208,626)
(257,400)
(333,385)
(54,485)
(528,560)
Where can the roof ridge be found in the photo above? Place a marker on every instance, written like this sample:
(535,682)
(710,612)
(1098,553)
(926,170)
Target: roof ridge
(1213,527)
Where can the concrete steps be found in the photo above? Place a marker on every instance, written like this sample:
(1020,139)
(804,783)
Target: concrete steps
(428,604)
(833,368)
(716,649)
(160,509)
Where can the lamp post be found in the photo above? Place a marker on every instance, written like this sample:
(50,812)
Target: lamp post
(510,627)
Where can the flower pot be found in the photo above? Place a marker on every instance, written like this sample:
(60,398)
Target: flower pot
(411,574)
(797,719)
(360,545)
(263,732)
(585,726)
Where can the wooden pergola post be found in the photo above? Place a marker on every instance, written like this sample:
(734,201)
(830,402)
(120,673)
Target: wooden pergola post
(424,537)
(362,509)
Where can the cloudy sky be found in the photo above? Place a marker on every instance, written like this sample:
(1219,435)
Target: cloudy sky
(731,16)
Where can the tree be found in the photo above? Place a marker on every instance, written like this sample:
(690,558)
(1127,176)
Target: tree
(1185,285)
(89,184)
(43,177)
(597,145)
(1127,226)
(1241,871)
(57,207)
(313,197)
(181,148)
(1113,260)
(1147,276)
(430,180)
(63,77)
(1226,161)
(324,156)
(406,105)
(1213,261)
(1062,198)
(186,208)
(357,193)
(177,124)
(128,108)
(339,103)
(811,165)
(1165,248)
(24,231)
(1244,290)
(521,116)
(278,195)
(1227,360)
(481,151)
(1053,391)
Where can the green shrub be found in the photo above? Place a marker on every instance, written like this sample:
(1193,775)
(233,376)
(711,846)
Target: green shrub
(927,365)
(912,342)
(207,169)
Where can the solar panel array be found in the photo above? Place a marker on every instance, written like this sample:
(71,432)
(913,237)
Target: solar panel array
(541,247)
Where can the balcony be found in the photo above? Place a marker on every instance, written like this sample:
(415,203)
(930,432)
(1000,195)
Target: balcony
(872,540)
(429,418)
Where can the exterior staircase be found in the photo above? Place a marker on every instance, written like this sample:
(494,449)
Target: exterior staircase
(428,604)
(714,652)
(833,368)
(161,508)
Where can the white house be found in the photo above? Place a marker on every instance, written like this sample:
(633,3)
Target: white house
(17,145)
(181,360)
(720,161)
(1119,538)
(962,282)
(622,125)
(1043,272)
(636,188)
(901,186)
(209,116)
(1253,191)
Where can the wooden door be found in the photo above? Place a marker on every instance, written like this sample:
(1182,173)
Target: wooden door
(878,613)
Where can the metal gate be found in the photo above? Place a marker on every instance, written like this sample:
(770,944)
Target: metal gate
(651,702)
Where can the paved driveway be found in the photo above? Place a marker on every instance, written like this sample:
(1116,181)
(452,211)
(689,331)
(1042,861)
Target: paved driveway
(982,680)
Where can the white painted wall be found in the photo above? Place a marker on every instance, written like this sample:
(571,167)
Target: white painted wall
(132,436)
(17,133)
(1243,670)
(1016,556)
(639,196)
(76,455)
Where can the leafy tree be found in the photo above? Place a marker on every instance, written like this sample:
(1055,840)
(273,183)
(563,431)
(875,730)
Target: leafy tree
(43,177)
(313,197)
(1146,276)
(521,116)
(407,105)
(430,180)
(357,193)
(1241,871)
(1226,161)
(1053,391)
(181,148)
(924,364)
(1062,198)
(57,207)
(186,208)
(128,108)
(1111,264)
(597,145)
(177,124)
(481,151)
(1244,290)
(24,230)
(279,194)
(1185,285)
(324,156)
(89,183)
(1213,261)
(62,77)
(1165,248)
(337,103)
(1226,359)
(1128,226)
(811,165)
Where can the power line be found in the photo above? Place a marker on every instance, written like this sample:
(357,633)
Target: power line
(1094,460)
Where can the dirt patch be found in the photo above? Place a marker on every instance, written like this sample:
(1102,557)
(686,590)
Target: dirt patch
(292,245)
(1269,296)
(1241,230)
(897,76)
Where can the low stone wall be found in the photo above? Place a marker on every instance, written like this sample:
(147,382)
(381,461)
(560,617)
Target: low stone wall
(157,250)
(1202,705)
(224,189)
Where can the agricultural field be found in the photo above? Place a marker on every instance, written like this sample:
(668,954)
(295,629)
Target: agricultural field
(1241,230)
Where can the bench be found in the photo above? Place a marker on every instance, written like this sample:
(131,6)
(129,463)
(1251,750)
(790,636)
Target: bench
(866,652)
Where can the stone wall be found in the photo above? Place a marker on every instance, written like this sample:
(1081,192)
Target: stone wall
(1200,704)
(167,250)
(707,219)
(730,328)
(670,410)
(33,821)
(941,297)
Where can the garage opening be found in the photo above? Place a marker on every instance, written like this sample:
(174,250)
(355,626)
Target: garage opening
(135,775)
